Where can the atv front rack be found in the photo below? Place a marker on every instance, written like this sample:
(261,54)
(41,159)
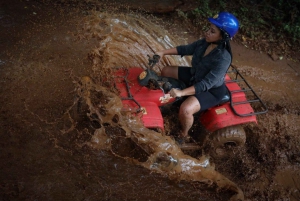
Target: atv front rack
(252,98)
(140,100)
(129,97)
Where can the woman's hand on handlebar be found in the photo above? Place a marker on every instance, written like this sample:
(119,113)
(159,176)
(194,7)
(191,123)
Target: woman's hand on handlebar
(176,93)
(160,54)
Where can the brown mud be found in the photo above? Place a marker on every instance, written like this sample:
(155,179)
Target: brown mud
(64,137)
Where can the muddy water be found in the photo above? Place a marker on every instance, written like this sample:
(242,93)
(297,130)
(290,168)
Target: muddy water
(51,150)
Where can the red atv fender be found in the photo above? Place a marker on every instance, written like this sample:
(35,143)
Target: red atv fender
(141,99)
(223,115)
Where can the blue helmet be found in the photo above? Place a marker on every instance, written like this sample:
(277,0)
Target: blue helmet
(226,22)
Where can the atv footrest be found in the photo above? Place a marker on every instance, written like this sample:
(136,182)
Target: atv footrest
(189,147)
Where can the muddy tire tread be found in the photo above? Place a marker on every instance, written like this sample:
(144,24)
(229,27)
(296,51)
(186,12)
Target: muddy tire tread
(233,134)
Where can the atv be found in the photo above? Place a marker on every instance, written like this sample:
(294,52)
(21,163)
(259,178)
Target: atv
(145,93)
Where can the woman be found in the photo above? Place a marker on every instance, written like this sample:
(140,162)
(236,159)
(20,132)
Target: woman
(205,79)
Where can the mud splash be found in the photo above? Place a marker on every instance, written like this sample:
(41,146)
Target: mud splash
(125,40)
(52,151)
(164,156)
(136,37)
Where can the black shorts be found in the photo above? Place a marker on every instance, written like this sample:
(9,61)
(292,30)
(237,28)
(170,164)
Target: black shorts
(207,99)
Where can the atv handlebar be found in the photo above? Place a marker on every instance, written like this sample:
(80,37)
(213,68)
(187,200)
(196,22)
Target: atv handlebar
(154,60)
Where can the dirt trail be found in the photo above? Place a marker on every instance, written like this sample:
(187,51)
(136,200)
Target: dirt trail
(45,156)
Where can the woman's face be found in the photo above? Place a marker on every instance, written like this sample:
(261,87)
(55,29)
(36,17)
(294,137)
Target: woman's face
(213,34)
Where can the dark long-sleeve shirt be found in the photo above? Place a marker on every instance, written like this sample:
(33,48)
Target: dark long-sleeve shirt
(208,71)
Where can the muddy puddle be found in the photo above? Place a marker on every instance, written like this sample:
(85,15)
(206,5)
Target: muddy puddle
(64,135)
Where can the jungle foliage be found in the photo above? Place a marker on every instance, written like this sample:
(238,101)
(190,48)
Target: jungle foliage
(255,16)
(271,26)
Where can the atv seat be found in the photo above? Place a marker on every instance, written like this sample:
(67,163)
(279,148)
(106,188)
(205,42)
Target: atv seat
(225,99)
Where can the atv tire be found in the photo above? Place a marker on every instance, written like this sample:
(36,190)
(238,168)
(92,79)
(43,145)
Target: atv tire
(233,135)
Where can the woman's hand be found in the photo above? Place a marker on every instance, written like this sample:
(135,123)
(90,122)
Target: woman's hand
(172,51)
(176,93)
(160,53)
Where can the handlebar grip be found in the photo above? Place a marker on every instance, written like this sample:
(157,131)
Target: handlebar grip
(156,57)
(154,60)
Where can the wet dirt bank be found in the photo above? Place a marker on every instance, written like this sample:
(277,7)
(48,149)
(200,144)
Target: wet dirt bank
(45,151)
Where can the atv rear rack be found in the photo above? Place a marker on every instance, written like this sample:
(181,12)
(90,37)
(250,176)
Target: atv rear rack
(238,78)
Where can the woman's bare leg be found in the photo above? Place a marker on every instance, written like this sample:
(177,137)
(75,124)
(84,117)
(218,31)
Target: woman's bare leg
(189,107)
(170,71)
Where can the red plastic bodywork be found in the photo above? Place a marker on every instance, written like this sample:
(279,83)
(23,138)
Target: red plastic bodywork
(223,116)
(150,100)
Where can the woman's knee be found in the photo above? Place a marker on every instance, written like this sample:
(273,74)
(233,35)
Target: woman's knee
(185,111)
(189,106)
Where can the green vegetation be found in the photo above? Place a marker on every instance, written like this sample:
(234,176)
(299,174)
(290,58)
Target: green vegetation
(269,21)
(279,16)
